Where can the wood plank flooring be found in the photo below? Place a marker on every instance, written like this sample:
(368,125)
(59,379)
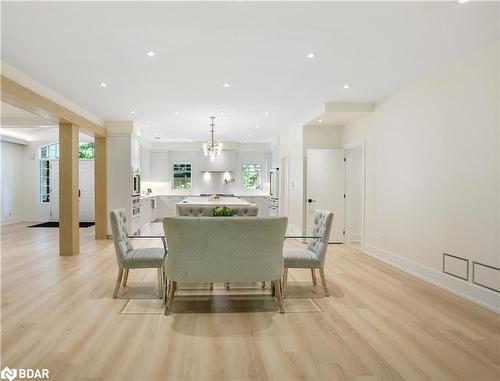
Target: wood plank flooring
(378,323)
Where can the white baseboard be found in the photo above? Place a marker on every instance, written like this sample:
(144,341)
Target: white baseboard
(354,237)
(467,290)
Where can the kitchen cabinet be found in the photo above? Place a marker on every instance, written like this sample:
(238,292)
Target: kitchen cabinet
(145,164)
(163,206)
(160,166)
(260,202)
(135,153)
(146,211)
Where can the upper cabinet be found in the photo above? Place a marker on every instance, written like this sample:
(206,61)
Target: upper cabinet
(135,154)
(160,166)
(145,164)
(225,161)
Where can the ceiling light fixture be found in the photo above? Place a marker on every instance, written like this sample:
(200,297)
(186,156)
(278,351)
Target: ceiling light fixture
(150,53)
(250,134)
(267,113)
(146,125)
(311,55)
(320,120)
(221,113)
(103,84)
(256,126)
(132,112)
(226,84)
(177,112)
(212,148)
(463,1)
(347,86)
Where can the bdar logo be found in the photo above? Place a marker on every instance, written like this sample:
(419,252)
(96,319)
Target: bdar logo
(8,374)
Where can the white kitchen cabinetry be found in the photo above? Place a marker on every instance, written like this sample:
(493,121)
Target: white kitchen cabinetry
(260,202)
(146,211)
(145,164)
(160,166)
(135,157)
(163,206)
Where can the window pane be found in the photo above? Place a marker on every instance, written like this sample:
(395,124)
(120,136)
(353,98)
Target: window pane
(181,176)
(252,176)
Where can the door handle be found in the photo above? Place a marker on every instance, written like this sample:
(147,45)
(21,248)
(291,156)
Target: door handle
(310,200)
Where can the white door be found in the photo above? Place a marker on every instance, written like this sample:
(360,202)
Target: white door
(325,188)
(86,186)
(354,194)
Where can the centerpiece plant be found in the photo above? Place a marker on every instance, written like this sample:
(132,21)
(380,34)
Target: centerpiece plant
(223,211)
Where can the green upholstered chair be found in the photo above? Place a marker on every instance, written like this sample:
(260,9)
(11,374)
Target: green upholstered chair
(224,249)
(313,256)
(130,258)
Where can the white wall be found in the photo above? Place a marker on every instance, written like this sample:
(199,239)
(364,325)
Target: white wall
(15,207)
(354,193)
(322,137)
(432,173)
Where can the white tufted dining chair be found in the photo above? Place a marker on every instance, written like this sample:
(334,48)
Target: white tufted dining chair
(130,258)
(313,256)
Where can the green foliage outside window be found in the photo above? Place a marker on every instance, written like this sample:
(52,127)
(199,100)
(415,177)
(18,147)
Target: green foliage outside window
(182,176)
(252,176)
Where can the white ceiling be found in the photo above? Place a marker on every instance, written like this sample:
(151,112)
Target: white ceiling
(259,48)
(20,124)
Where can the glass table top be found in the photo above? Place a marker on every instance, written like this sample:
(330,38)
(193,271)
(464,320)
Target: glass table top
(155,230)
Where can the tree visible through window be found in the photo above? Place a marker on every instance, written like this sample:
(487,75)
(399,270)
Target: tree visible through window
(252,176)
(51,152)
(182,176)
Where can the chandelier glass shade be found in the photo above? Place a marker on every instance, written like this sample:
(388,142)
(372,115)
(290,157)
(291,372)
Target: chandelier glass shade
(212,148)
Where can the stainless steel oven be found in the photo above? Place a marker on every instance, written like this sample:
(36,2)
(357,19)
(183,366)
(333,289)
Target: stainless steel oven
(136,184)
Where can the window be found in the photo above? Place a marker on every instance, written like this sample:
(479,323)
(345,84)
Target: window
(44,181)
(252,176)
(182,176)
(51,152)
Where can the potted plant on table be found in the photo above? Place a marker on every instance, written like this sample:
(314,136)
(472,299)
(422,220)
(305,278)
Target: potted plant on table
(223,211)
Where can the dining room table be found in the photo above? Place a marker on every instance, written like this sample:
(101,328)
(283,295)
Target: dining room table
(155,229)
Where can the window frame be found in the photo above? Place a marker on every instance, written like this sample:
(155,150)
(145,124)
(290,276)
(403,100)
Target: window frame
(190,175)
(261,185)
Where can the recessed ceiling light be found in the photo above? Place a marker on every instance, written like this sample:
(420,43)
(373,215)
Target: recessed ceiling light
(146,125)
(463,1)
(267,113)
(177,112)
(320,120)
(311,55)
(221,113)
(250,134)
(103,84)
(132,112)
(347,86)
(150,53)
(226,84)
(256,126)
(157,138)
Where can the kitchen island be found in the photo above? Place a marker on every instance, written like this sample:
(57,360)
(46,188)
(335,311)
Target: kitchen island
(204,206)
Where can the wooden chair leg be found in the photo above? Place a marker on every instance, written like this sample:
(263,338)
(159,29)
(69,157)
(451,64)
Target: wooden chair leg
(285,280)
(277,288)
(211,286)
(165,288)
(171,291)
(125,277)
(118,282)
(227,285)
(323,281)
(313,276)
(159,272)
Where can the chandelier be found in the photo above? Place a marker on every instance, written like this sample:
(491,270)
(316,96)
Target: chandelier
(212,148)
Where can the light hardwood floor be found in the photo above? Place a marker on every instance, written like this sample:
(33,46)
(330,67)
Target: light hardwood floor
(378,323)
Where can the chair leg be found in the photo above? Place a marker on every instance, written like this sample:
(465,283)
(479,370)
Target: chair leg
(159,272)
(263,285)
(171,291)
(118,282)
(227,285)
(165,288)
(211,286)
(323,281)
(277,288)
(125,277)
(313,276)
(285,280)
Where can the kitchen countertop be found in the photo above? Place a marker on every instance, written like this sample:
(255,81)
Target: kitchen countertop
(197,196)
(199,200)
